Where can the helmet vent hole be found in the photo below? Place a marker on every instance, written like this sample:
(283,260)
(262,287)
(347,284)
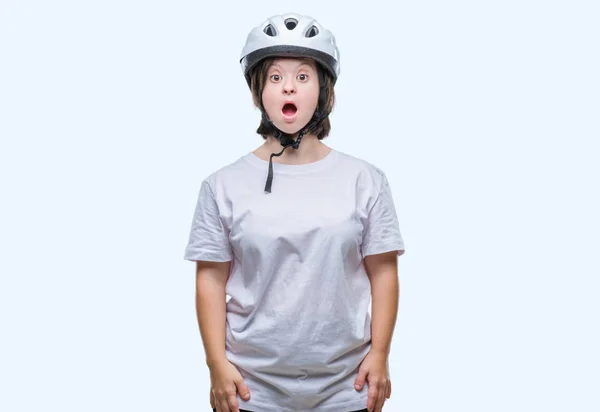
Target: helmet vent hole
(312,32)
(291,23)
(270,31)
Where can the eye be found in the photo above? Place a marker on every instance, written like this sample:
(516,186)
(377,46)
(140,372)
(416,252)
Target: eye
(275,77)
(302,77)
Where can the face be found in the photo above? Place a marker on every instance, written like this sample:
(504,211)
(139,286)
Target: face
(291,93)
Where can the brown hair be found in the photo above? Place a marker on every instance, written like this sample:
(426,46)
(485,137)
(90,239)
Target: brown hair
(258,78)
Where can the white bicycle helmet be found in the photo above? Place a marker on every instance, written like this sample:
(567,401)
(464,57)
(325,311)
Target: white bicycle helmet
(291,35)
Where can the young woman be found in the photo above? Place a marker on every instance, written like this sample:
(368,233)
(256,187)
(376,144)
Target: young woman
(300,254)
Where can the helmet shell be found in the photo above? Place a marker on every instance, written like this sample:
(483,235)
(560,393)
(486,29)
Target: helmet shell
(291,35)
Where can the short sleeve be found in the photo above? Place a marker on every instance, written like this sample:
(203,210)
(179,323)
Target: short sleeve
(208,238)
(382,231)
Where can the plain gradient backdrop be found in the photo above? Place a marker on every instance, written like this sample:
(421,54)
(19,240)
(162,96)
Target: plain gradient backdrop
(483,114)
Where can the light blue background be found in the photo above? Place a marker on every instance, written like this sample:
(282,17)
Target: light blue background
(484,116)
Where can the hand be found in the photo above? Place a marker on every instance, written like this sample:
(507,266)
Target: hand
(225,382)
(375,370)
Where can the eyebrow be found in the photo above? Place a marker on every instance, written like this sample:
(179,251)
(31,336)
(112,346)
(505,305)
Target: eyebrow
(297,67)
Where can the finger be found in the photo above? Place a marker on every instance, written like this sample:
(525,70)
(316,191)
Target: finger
(243,390)
(360,380)
(223,406)
(380,399)
(234,406)
(389,389)
(212,399)
(372,398)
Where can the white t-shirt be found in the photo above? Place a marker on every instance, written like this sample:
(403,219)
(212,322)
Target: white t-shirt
(298,320)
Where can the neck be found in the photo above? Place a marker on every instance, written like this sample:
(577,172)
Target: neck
(310,150)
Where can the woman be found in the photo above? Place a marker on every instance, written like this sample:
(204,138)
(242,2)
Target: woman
(300,257)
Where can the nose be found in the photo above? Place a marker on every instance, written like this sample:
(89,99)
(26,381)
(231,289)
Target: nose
(289,86)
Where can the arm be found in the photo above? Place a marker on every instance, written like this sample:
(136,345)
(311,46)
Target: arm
(211,278)
(382,270)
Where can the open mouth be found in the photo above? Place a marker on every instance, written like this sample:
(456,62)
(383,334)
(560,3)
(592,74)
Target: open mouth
(289,109)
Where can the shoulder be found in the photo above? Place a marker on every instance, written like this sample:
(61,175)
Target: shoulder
(225,175)
(366,173)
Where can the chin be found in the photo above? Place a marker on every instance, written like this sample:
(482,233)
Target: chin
(290,128)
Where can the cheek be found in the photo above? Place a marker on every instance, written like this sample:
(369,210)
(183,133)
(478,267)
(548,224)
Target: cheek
(267,100)
(312,98)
